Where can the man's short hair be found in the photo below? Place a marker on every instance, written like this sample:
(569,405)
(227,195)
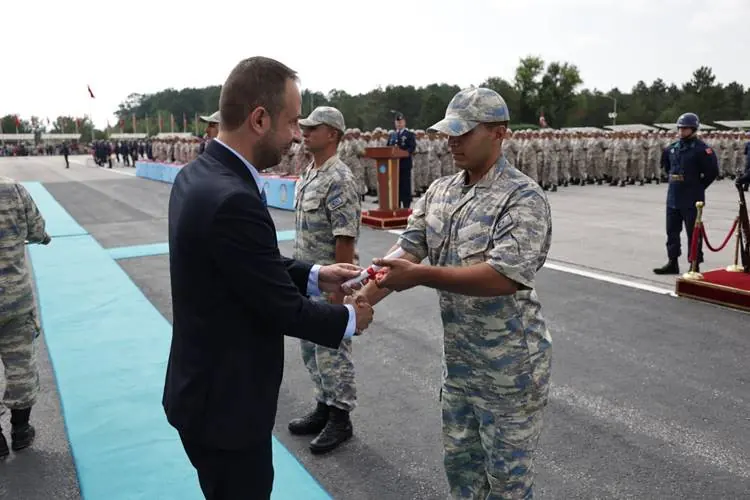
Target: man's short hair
(254,82)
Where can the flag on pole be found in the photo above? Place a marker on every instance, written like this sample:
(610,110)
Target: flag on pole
(171,122)
(134,123)
(77,124)
(184,122)
(161,123)
(147,125)
(18,123)
(122,125)
(91,92)
(195,131)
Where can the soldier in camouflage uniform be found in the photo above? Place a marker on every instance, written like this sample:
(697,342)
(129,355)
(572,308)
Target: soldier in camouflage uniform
(486,232)
(328,210)
(20,222)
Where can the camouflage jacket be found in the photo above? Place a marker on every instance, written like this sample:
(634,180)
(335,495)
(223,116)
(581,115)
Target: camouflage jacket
(20,222)
(504,220)
(327,204)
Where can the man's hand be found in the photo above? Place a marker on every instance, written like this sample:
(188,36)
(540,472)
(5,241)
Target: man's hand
(330,278)
(398,274)
(362,310)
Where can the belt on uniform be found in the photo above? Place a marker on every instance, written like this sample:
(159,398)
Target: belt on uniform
(676,177)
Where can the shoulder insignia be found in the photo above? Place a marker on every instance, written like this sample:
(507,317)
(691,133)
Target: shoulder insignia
(336,202)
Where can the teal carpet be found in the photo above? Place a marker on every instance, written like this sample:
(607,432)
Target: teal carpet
(109,346)
(148,250)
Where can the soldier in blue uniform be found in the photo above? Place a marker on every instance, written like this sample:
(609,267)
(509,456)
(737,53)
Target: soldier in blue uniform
(406,140)
(691,166)
(744,179)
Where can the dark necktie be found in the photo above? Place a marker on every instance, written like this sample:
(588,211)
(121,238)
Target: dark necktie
(263,197)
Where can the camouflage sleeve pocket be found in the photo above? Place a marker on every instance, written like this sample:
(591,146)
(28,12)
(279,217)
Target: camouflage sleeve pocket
(310,204)
(473,251)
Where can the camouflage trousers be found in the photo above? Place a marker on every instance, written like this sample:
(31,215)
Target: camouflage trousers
(332,372)
(488,447)
(18,355)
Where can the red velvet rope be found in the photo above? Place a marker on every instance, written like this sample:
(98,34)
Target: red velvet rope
(726,240)
(694,243)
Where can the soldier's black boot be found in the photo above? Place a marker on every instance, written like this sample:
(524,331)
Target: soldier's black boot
(22,433)
(338,430)
(312,423)
(671,267)
(4,451)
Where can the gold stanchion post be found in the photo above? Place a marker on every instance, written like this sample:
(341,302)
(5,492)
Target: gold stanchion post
(693,274)
(736,267)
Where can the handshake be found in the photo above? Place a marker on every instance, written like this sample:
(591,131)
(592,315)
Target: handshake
(332,279)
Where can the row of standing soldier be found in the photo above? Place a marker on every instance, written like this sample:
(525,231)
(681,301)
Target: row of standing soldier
(552,158)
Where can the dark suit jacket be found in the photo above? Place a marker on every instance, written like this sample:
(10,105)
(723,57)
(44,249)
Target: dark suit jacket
(407,141)
(234,297)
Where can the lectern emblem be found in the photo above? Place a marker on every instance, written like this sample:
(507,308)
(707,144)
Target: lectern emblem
(381,169)
(283,193)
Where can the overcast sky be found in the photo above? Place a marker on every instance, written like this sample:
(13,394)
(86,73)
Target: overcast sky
(54,48)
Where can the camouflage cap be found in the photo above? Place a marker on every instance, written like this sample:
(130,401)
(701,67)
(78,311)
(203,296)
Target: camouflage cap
(213,118)
(325,115)
(469,108)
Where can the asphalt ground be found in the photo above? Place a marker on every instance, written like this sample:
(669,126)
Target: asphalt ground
(650,393)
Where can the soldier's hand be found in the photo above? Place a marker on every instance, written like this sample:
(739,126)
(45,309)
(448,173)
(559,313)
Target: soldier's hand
(398,274)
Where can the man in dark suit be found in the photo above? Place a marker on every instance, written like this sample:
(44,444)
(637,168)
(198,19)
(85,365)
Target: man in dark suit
(406,140)
(234,296)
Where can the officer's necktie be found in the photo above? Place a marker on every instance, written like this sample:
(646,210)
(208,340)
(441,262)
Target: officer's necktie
(263,197)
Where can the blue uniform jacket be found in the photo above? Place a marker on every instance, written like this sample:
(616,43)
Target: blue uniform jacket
(691,166)
(745,177)
(405,140)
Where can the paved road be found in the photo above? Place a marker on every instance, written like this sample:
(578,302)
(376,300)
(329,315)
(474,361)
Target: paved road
(650,394)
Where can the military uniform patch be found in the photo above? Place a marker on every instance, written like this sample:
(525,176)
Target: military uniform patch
(336,202)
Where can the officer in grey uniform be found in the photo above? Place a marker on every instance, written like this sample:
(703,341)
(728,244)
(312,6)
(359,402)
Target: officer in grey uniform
(486,232)
(20,223)
(327,223)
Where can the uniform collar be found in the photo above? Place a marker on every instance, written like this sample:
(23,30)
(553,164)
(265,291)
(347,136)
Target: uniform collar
(489,178)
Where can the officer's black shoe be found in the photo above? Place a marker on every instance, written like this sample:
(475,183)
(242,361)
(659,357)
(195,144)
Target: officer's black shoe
(337,431)
(553,188)
(599,182)
(4,451)
(671,267)
(312,423)
(22,436)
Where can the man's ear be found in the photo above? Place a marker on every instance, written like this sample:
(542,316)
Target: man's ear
(259,121)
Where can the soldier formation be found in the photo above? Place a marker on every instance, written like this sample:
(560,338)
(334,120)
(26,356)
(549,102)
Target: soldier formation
(553,158)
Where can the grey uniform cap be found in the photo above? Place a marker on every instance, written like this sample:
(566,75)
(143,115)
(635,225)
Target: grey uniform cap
(325,115)
(214,118)
(469,108)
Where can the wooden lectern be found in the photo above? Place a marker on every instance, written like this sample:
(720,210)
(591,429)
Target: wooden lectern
(388,215)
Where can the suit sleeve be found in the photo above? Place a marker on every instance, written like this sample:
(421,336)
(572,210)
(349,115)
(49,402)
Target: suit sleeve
(246,253)
(299,272)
